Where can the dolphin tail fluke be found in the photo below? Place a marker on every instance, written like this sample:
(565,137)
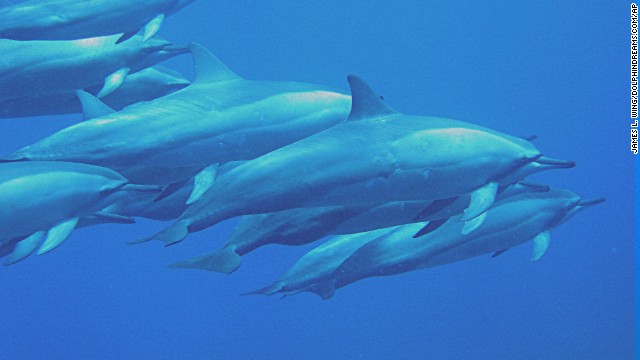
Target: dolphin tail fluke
(171,235)
(274,288)
(223,261)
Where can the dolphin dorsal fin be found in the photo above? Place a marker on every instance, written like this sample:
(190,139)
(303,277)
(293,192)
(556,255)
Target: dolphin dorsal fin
(209,69)
(365,103)
(92,107)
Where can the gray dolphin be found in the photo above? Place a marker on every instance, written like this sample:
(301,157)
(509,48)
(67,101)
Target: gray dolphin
(42,202)
(219,118)
(50,67)
(145,85)
(300,226)
(509,223)
(377,156)
(71,20)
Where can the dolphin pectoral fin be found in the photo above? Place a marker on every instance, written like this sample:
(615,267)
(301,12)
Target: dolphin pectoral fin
(474,223)
(126,36)
(430,227)
(325,289)
(365,103)
(209,69)
(274,288)
(481,200)
(170,190)
(540,245)
(433,208)
(24,248)
(57,235)
(171,235)
(113,82)
(92,107)
(152,27)
(202,182)
(223,261)
(499,252)
(529,137)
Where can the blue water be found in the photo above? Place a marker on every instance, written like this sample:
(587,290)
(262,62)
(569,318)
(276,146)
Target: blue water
(554,69)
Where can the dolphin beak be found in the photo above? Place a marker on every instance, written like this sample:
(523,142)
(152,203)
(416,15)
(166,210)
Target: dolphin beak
(555,163)
(590,202)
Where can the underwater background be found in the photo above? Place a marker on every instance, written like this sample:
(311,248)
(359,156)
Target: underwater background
(559,70)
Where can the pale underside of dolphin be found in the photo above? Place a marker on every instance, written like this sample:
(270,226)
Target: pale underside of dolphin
(376,156)
(219,118)
(142,86)
(72,20)
(42,202)
(30,68)
(511,222)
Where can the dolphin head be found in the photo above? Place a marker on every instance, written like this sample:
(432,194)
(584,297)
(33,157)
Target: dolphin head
(576,206)
(565,204)
(156,50)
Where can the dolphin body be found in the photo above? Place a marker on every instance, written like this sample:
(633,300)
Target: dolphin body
(219,118)
(29,68)
(71,20)
(301,226)
(377,156)
(524,215)
(145,85)
(45,200)
(509,223)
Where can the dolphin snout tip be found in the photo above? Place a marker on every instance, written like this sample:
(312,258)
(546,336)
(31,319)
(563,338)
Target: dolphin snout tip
(591,202)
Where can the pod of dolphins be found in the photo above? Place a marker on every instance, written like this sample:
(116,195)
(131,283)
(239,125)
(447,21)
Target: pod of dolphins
(299,162)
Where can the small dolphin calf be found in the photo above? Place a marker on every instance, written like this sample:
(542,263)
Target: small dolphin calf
(509,223)
(377,156)
(71,20)
(145,85)
(28,68)
(219,118)
(45,200)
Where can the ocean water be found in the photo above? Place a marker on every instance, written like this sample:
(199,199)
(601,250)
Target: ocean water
(559,70)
